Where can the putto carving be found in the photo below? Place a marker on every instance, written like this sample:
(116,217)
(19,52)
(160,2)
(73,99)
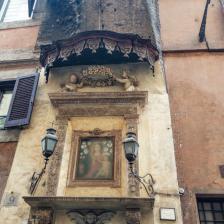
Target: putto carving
(130,82)
(90,217)
(72,85)
(99,76)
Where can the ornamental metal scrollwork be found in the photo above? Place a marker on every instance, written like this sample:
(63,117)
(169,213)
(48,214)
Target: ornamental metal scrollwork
(130,47)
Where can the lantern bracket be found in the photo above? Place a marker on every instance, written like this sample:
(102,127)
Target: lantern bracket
(36,177)
(146,181)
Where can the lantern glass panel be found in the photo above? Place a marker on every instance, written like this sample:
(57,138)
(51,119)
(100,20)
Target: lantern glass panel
(129,148)
(51,145)
(43,145)
(136,148)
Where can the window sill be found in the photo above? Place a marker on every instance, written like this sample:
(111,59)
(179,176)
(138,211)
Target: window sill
(11,135)
(19,24)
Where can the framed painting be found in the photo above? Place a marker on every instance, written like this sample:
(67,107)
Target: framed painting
(95,158)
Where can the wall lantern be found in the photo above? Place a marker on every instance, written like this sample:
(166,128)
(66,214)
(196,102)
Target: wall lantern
(48,144)
(131,148)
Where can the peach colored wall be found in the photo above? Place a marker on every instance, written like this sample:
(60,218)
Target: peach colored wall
(18,38)
(195,85)
(181,20)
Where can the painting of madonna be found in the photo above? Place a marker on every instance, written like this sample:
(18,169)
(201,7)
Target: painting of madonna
(95,159)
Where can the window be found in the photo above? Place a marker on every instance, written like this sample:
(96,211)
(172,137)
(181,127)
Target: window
(15,10)
(3,7)
(1,3)
(16,100)
(211,210)
(5,99)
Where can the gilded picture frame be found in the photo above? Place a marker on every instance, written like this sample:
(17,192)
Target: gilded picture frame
(95,158)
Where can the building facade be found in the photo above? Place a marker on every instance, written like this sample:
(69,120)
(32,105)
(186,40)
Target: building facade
(195,87)
(93,70)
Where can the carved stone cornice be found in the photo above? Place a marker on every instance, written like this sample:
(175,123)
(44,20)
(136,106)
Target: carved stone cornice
(99,98)
(60,52)
(100,203)
(68,111)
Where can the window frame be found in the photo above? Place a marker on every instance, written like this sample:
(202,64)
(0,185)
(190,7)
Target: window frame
(211,200)
(31,4)
(3,9)
(6,85)
(72,181)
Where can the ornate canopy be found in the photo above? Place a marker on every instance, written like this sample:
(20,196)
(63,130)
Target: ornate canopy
(98,47)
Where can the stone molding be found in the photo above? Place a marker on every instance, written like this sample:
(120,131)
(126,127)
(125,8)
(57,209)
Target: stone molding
(115,98)
(97,110)
(108,203)
(55,162)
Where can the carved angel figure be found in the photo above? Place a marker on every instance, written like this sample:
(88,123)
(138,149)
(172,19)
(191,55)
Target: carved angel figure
(72,85)
(128,81)
(90,217)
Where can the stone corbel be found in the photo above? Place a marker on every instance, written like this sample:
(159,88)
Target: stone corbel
(41,216)
(132,123)
(133,216)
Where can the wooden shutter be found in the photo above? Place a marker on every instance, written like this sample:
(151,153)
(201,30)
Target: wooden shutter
(1,96)
(22,101)
(1,3)
(30,6)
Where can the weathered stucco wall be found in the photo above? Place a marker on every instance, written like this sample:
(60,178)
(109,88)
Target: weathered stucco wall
(154,127)
(66,19)
(18,38)
(181,21)
(17,45)
(119,16)
(195,84)
(7,151)
(27,157)
(195,88)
